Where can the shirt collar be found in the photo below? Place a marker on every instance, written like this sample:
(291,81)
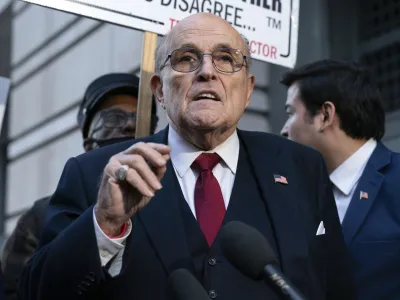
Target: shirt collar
(183,153)
(349,172)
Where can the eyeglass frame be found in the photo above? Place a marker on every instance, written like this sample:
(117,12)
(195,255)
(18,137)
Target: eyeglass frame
(129,115)
(244,64)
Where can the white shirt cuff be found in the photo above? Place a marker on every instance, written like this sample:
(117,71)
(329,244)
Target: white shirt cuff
(108,247)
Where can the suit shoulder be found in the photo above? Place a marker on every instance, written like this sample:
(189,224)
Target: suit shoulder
(393,168)
(395,157)
(106,152)
(385,160)
(289,147)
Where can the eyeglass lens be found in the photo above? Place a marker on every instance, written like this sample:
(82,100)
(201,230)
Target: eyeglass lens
(116,119)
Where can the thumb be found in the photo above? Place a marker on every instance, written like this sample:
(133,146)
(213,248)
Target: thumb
(160,172)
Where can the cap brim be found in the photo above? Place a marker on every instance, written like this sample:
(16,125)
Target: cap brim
(111,89)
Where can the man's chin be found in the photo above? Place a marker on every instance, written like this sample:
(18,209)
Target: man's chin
(203,128)
(205,120)
(204,125)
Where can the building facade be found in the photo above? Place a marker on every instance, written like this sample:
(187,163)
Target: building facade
(52,56)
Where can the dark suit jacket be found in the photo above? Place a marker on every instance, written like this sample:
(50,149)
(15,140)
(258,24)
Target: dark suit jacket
(371,227)
(68,263)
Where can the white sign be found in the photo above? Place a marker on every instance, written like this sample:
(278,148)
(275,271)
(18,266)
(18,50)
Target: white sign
(270,25)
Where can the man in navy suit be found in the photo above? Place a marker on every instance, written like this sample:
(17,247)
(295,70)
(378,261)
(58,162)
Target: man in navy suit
(334,107)
(125,216)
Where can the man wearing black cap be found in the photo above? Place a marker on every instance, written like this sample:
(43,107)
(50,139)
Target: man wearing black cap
(106,115)
(107,112)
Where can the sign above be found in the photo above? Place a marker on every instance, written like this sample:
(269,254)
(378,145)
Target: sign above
(271,26)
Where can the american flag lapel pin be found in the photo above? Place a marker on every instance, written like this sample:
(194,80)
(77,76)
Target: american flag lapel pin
(280,179)
(363,195)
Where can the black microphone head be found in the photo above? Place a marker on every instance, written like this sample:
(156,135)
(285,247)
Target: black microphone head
(182,285)
(246,248)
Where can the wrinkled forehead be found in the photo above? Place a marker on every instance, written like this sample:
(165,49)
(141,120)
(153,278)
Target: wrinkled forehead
(205,37)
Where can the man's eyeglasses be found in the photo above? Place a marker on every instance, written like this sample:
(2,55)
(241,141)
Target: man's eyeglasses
(225,60)
(117,118)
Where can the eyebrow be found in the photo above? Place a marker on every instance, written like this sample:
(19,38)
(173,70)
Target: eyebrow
(223,45)
(113,109)
(188,45)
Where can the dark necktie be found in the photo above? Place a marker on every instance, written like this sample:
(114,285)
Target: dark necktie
(208,199)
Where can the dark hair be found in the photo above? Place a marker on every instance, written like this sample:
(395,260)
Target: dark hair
(347,85)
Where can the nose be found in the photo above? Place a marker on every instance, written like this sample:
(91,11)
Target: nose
(130,127)
(206,70)
(284,132)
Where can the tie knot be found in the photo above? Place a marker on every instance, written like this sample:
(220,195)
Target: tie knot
(206,161)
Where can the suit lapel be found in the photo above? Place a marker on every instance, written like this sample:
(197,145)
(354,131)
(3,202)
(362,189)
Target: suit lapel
(282,200)
(162,220)
(244,205)
(370,183)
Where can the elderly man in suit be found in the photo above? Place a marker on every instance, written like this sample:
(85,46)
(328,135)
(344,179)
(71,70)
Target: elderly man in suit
(125,216)
(334,107)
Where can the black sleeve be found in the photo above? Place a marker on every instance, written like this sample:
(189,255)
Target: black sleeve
(67,264)
(338,270)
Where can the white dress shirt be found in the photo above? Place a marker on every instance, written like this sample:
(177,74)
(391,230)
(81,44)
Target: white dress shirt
(183,155)
(345,178)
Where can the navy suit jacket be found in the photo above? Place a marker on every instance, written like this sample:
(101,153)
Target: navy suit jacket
(371,227)
(67,264)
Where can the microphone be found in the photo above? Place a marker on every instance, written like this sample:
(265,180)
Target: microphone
(182,285)
(248,250)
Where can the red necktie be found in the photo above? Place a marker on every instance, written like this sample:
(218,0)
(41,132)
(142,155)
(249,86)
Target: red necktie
(208,200)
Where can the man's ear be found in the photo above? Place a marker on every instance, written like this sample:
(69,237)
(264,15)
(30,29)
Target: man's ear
(250,87)
(327,114)
(157,88)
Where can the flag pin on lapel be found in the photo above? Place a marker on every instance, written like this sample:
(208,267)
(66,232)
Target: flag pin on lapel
(363,195)
(280,179)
